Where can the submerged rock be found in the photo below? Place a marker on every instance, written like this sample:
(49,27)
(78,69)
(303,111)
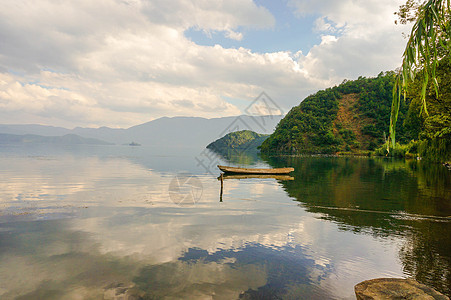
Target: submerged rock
(395,288)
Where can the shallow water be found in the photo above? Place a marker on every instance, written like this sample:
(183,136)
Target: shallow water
(107,221)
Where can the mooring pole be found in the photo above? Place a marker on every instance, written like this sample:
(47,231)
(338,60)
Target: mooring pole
(222,187)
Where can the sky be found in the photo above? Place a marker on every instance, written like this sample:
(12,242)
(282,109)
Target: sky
(120,63)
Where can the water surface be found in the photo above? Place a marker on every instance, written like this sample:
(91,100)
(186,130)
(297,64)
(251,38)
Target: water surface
(107,221)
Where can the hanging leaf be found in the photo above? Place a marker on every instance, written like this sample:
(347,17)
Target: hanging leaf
(431,28)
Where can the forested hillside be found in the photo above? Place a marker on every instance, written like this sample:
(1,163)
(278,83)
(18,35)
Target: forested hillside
(352,116)
(239,140)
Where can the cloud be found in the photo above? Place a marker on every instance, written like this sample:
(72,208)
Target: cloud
(208,15)
(365,41)
(121,63)
(128,60)
(321,24)
(234,35)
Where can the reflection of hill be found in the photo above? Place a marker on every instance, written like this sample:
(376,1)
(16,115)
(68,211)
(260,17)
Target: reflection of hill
(368,184)
(238,157)
(382,198)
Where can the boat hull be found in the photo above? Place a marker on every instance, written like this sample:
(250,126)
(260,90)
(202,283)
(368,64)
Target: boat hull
(236,170)
(257,176)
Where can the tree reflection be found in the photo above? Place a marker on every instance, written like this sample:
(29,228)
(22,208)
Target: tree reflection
(238,156)
(426,254)
(384,198)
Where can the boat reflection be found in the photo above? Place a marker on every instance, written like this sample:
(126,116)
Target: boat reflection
(250,176)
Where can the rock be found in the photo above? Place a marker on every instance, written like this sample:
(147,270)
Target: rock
(395,288)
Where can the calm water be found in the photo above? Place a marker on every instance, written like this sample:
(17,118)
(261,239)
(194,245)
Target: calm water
(109,221)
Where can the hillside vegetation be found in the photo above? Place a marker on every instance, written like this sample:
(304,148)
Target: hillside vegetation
(352,116)
(238,140)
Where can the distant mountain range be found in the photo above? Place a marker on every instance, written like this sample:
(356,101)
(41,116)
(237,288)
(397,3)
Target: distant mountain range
(67,139)
(176,131)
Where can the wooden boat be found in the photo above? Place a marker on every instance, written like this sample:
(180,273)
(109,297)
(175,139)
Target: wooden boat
(236,170)
(262,176)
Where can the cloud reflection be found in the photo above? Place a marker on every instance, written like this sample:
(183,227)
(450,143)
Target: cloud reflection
(132,240)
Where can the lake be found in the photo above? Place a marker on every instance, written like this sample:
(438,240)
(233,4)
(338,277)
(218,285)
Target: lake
(105,222)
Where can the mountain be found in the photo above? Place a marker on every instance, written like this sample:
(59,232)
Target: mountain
(182,131)
(43,130)
(352,116)
(238,140)
(68,139)
(174,132)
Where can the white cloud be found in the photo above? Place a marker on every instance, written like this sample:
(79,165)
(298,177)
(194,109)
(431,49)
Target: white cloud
(129,62)
(208,15)
(121,63)
(322,24)
(234,35)
(328,39)
(367,40)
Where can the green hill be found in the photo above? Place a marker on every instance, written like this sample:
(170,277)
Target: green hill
(244,140)
(352,116)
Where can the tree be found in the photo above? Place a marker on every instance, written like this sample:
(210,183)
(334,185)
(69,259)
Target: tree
(428,43)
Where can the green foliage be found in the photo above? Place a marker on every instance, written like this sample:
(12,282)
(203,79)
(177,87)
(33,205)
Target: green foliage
(375,103)
(370,129)
(414,122)
(307,126)
(435,150)
(428,43)
(433,129)
(314,125)
(242,140)
(347,135)
(409,150)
